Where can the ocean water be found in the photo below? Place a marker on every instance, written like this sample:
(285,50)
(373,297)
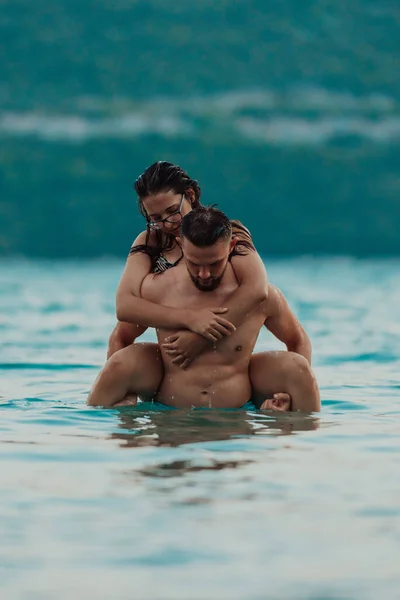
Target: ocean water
(276,108)
(160,504)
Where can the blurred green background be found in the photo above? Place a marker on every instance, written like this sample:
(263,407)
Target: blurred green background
(286,112)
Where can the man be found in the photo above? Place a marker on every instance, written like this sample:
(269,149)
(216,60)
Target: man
(219,377)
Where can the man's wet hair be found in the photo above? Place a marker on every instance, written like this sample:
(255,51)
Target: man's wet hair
(206,225)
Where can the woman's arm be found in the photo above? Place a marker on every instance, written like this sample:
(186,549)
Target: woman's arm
(250,272)
(253,287)
(131,308)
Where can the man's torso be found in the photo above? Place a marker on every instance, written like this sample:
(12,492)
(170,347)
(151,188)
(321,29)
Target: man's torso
(219,376)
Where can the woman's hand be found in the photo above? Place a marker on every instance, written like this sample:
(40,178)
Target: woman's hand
(207,323)
(184,346)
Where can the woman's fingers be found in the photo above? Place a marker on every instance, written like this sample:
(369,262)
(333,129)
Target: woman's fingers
(227,324)
(224,331)
(217,335)
(172,338)
(178,359)
(170,346)
(211,337)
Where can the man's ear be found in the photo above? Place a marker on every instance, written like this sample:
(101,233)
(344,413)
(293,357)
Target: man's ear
(233,243)
(179,241)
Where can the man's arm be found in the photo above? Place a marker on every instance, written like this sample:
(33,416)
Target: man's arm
(253,287)
(285,326)
(123,335)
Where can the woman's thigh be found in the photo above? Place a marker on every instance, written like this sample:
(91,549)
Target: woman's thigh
(136,369)
(143,365)
(284,372)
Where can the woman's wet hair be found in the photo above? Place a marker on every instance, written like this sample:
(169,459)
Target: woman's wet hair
(205,225)
(164,176)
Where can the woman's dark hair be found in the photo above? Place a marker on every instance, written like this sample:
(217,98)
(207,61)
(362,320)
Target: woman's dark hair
(162,176)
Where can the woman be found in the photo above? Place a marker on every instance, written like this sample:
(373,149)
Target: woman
(165,194)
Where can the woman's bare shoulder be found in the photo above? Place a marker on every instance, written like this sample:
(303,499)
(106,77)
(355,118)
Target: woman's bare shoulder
(145,238)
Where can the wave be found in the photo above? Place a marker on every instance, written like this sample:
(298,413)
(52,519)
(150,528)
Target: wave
(285,130)
(12,366)
(81,128)
(302,116)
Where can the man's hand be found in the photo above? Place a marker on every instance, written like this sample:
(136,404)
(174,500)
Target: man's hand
(184,346)
(280,402)
(207,323)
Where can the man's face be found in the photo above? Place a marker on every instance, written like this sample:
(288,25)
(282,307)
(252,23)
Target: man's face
(207,266)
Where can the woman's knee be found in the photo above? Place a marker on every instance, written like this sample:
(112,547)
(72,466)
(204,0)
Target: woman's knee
(279,371)
(117,364)
(297,367)
(136,358)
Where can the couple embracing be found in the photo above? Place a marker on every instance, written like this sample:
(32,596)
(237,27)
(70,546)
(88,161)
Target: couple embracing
(196,277)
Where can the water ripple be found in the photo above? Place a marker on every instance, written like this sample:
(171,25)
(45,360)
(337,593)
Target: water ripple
(153,486)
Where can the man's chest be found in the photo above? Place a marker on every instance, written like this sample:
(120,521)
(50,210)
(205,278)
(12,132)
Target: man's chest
(188,296)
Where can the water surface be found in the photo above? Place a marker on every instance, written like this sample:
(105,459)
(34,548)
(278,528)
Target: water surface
(193,504)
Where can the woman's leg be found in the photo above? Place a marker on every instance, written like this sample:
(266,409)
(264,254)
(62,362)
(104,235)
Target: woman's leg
(136,370)
(276,372)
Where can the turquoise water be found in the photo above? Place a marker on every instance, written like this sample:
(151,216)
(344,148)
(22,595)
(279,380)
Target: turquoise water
(277,108)
(144,503)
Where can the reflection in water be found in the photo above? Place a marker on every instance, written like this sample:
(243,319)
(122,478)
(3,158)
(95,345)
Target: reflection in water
(142,425)
(149,425)
(177,468)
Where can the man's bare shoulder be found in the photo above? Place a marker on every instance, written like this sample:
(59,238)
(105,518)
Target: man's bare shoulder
(275,299)
(155,285)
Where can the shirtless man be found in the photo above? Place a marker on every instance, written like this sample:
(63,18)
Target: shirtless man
(219,377)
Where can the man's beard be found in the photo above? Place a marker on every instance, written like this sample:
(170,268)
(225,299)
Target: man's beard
(211,285)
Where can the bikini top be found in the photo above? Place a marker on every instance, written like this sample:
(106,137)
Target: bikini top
(162,264)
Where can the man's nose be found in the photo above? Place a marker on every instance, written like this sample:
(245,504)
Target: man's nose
(204,273)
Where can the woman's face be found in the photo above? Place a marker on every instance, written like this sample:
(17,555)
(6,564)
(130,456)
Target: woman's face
(166,210)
